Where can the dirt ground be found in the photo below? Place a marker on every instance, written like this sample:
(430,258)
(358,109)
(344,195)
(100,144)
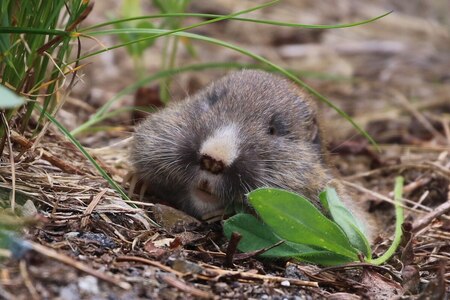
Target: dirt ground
(392,76)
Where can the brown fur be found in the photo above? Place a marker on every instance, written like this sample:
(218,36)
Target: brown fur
(281,143)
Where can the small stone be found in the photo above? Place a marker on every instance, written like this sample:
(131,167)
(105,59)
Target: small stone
(185,266)
(29,209)
(286,283)
(69,292)
(89,284)
(292,271)
(221,287)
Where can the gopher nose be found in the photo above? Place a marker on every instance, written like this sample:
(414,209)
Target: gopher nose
(220,149)
(211,165)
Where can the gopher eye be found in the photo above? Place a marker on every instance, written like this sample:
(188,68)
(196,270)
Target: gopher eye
(278,126)
(271,130)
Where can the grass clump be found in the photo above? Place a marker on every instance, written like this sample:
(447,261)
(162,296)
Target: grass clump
(33,52)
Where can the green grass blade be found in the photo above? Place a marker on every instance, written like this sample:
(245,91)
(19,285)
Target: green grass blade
(178,30)
(91,122)
(34,31)
(257,57)
(99,115)
(259,21)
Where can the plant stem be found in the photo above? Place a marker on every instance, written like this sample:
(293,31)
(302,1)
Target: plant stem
(398,191)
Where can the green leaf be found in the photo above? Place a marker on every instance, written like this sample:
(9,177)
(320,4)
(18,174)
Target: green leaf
(295,219)
(257,235)
(344,218)
(9,99)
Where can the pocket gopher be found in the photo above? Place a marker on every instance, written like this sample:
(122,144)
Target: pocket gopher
(247,130)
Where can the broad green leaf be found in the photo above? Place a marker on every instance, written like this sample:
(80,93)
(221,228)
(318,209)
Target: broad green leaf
(9,99)
(344,218)
(257,235)
(295,219)
(323,258)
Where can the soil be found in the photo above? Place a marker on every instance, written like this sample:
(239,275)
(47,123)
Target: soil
(391,76)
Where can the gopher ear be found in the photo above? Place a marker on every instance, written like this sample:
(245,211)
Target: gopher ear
(316,139)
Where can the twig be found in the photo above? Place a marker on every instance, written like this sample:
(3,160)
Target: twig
(387,199)
(27,280)
(428,218)
(446,126)
(247,255)
(359,265)
(153,263)
(91,208)
(78,265)
(424,166)
(418,115)
(421,199)
(232,247)
(176,283)
(380,196)
(412,186)
(252,276)
(4,294)
(63,165)
(439,168)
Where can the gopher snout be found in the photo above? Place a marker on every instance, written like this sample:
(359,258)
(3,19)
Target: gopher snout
(211,165)
(220,149)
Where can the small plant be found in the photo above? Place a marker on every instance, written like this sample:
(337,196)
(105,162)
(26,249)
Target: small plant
(307,234)
(33,55)
(130,9)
